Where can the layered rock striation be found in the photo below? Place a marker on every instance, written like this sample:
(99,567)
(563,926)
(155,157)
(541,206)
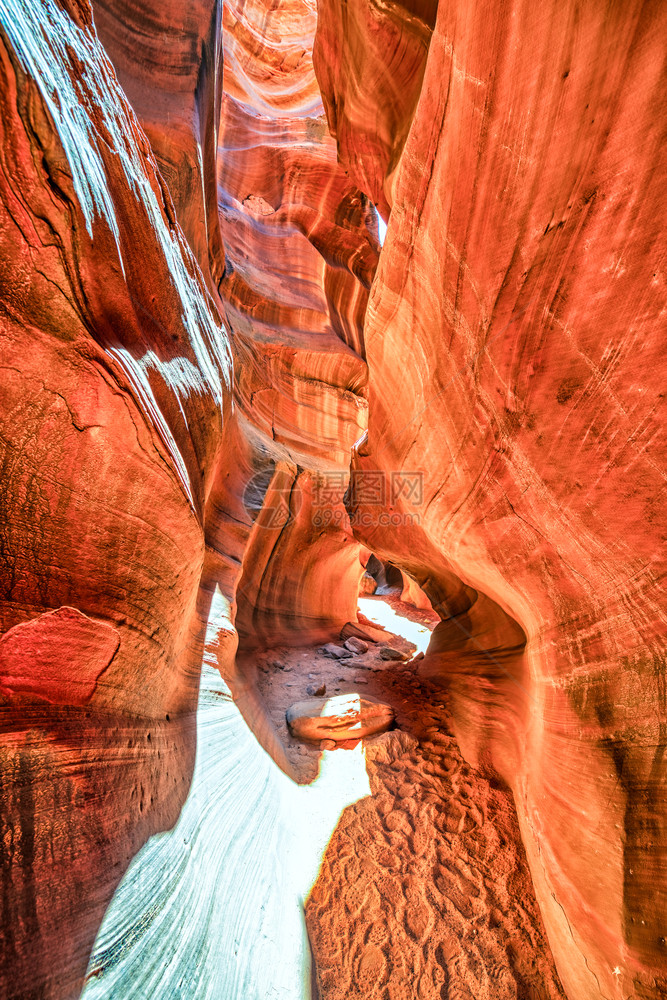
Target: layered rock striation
(116,377)
(516,316)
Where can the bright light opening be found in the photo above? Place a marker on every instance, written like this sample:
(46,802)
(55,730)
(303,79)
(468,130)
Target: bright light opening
(382,228)
(380,612)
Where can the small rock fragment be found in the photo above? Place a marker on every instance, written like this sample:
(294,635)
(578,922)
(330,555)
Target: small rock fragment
(388,653)
(335,652)
(328,745)
(356,645)
(361,680)
(316,691)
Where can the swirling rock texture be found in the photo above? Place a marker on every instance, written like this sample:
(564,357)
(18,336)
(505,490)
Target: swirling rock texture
(115,380)
(169,63)
(301,246)
(516,313)
(127,521)
(198,329)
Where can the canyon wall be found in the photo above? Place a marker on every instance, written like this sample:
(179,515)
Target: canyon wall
(301,249)
(517,315)
(115,383)
(152,462)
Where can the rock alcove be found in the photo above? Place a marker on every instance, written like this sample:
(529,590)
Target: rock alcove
(323,323)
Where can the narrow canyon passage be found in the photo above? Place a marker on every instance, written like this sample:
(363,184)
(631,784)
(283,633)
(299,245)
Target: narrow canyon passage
(395,862)
(333,623)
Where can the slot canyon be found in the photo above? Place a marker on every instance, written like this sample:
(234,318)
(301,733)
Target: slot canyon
(333,632)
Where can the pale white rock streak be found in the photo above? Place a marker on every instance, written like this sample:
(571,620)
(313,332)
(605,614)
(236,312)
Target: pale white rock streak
(213,909)
(78,86)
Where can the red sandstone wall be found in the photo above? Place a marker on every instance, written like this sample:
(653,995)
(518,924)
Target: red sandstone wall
(115,382)
(301,250)
(514,339)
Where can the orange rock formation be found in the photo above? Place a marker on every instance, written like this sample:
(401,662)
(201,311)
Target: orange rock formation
(220,394)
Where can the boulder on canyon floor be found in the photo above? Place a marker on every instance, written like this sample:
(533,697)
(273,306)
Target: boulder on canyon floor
(343,717)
